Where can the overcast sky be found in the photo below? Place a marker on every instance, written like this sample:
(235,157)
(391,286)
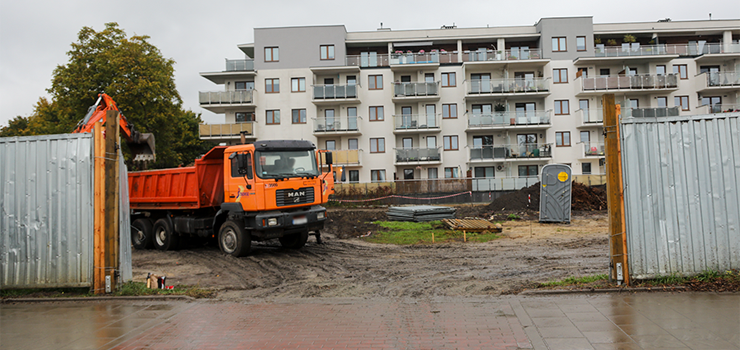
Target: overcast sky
(35,35)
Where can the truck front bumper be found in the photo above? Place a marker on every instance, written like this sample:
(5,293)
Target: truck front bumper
(275,224)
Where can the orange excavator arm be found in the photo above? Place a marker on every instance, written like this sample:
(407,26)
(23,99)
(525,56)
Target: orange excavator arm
(141,145)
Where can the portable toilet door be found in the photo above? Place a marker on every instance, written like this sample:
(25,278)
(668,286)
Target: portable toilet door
(555,193)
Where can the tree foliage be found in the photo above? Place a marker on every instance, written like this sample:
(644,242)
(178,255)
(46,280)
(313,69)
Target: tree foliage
(136,75)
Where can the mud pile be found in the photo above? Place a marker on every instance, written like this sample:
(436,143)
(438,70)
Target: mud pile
(582,198)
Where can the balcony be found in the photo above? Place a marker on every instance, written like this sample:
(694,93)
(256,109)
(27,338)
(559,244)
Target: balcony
(593,149)
(593,117)
(414,58)
(347,157)
(718,81)
(418,156)
(415,123)
(239,65)
(717,108)
(508,87)
(368,60)
(332,94)
(336,126)
(636,83)
(650,112)
(505,120)
(427,91)
(220,101)
(523,151)
(225,131)
(492,56)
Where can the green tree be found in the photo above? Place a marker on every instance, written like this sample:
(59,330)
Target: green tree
(141,81)
(16,127)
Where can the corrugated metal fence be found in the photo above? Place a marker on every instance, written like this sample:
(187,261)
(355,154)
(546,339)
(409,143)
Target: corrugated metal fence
(46,212)
(682,193)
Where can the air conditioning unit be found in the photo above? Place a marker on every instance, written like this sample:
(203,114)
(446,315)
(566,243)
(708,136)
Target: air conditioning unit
(500,167)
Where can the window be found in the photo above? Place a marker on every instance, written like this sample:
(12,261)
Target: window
(298,85)
(235,165)
(449,111)
(243,85)
(662,101)
(559,44)
(428,77)
(451,173)
(604,72)
(451,143)
(351,80)
(354,176)
(681,70)
(585,168)
(377,145)
(407,142)
(327,52)
(660,70)
(244,117)
(432,173)
(562,107)
(331,145)
(527,170)
(448,80)
(682,101)
(377,175)
(408,174)
(272,54)
(632,71)
(634,103)
(484,171)
(581,43)
(562,139)
(560,75)
(582,72)
(272,85)
(376,113)
(375,82)
(585,136)
(299,116)
(353,144)
(273,117)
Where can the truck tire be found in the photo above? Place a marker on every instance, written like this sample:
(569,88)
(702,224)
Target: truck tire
(294,241)
(233,239)
(164,237)
(141,234)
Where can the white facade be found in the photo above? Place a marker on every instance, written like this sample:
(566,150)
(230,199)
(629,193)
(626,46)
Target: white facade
(524,96)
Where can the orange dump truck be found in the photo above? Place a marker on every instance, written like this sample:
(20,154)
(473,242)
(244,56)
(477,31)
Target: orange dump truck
(236,194)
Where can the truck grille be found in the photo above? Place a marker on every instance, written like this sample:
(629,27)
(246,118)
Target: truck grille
(293,197)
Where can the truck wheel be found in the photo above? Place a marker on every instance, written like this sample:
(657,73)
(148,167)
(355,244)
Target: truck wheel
(164,236)
(141,234)
(294,241)
(233,239)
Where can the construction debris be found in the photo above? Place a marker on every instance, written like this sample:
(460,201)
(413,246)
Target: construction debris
(472,225)
(420,213)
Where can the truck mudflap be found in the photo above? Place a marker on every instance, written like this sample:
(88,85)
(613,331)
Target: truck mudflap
(275,224)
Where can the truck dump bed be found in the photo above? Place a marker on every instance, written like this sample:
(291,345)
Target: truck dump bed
(195,187)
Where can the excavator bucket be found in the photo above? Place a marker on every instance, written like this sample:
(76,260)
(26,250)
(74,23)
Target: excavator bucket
(142,147)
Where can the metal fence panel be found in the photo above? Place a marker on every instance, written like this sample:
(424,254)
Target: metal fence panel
(46,211)
(682,193)
(124,221)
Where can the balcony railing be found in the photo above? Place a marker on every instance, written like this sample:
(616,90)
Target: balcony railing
(415,121)
(716,79)
(509,119)
(694,49)
(225,130)
(226,97)
(507,55)
(415,89)
(629,82)
(650,112)
(412,155)
(415,58)
(717,108)
(335,124)
(346,157)
(239,65)
(368,59)
(324,92)
(591,116)
(593,149)
(521,150)
(516,85)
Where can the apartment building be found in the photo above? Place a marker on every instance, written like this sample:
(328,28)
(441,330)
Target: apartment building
(498,102)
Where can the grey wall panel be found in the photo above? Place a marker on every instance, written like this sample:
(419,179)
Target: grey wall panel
(124,226)
(682,198)
(46,211)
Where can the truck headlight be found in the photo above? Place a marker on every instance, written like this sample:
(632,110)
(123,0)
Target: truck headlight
(321,215)
(272,222)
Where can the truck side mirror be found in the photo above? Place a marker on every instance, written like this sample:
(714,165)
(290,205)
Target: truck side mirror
(329,158)
(243,163)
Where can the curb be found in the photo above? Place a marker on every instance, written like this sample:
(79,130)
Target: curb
(76,299)
(605,290)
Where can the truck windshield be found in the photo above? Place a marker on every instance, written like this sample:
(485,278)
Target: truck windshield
(274,164)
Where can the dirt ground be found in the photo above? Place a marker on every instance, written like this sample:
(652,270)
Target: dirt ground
(347,266)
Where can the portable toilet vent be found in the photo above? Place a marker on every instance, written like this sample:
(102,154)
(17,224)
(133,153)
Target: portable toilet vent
(555,193)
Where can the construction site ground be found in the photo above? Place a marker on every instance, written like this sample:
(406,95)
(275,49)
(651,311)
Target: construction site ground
(345,265)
